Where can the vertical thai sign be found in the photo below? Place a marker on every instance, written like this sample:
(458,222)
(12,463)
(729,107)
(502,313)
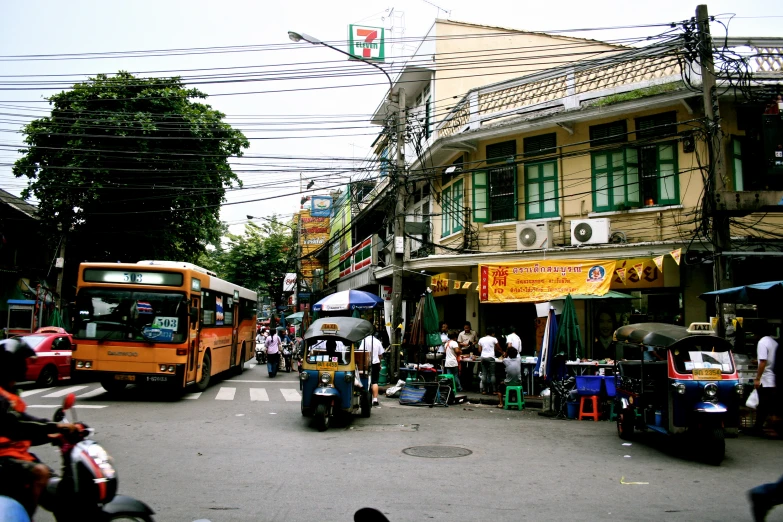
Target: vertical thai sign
(366,43)
(313,234)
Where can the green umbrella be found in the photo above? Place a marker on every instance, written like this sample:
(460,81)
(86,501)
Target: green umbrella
(356,313)
(569,339)
(432,337)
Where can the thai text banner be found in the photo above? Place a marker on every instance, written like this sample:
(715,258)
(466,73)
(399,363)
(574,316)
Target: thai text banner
(536,281)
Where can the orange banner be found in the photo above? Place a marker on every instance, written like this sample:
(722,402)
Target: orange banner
(536,281)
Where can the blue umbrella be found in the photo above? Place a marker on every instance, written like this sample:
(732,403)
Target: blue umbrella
(348,300)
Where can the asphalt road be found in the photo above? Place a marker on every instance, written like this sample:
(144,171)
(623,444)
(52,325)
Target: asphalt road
(241,451)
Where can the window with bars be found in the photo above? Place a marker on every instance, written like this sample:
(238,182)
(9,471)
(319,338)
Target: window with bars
(452,201)
(541,195)
(635,176)
(495,190)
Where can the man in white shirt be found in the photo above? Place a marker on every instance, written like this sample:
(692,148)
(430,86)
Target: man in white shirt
(444,337)
(766,352)
(375,347)
(488,344)
(513,340)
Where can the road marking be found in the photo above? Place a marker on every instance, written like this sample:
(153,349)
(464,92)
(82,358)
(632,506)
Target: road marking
(64,391)
(93,393)
(290,394)
(226,394)
(78,406)
(192,395)
(258,394)
(27,393)
(268,381)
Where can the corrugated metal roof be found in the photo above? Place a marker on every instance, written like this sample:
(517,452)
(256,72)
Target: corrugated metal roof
(19,204)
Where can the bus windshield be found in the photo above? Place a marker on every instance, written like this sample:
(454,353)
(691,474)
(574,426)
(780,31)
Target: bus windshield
(130,315)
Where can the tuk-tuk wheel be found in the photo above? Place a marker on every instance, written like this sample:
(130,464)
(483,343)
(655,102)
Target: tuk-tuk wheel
(364,404)
(322,417)
(625,421)
(716,446)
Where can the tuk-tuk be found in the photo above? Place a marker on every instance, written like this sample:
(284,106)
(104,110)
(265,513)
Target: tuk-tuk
(335,375)
(674,381)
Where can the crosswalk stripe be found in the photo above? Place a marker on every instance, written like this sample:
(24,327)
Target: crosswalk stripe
(93,393)
(192,395)
(64,391)
(27,393)
(226,394)
(290,394)
(258,394)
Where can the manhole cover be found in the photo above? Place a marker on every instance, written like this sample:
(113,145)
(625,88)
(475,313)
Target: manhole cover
(437,452)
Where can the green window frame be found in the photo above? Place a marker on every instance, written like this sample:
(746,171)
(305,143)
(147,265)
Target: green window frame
(541,190)
(480,204)
(452,199)
(626,178)
(736,160)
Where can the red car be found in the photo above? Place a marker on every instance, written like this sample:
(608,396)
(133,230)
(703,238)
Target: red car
(52,360)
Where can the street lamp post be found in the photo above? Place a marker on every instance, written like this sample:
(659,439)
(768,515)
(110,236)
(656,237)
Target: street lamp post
(399,212)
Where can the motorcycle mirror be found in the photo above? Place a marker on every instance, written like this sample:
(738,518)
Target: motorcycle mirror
(69,401)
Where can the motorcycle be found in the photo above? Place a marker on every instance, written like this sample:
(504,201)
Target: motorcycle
(260,353)
(87,487)
(288,352)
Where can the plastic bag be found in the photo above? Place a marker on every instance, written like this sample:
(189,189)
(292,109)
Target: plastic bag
(753,400)
(394,391)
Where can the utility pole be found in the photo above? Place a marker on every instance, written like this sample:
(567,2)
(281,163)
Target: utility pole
(399,238)
(721,239)
(60,263)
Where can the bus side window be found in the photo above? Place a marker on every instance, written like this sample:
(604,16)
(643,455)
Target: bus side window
(194,314)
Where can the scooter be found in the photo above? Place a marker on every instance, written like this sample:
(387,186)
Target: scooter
(87,487)
(288,351)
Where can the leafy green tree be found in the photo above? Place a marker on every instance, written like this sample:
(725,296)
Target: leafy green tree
(258,259)
(131,168)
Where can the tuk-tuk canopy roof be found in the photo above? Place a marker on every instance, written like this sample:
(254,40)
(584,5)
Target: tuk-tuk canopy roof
(654,334)
(349,328)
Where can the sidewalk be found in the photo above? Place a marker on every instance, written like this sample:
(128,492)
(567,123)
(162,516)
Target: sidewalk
(474,397)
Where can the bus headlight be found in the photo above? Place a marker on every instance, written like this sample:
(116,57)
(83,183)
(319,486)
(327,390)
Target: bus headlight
(80,364)
(163,367)
(171,368)
(88,364)
(326,377)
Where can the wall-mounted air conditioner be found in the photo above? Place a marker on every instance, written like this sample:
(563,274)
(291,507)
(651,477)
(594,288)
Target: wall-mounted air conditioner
(534,235)
(590,231)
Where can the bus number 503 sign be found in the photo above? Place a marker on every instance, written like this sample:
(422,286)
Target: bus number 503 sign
(366,43)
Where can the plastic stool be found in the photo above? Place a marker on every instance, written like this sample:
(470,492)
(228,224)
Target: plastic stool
(449,377)
(612,414)
(520,402)
(589,414)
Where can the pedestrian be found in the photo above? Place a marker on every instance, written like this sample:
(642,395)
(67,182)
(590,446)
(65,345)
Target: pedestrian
(513,340)
(765,381)
(375,347)
(488,344)
(444,336)
(273,354)
(513,366)
(764,497)
(451,366)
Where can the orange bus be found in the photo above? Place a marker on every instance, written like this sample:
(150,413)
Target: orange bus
(159,323)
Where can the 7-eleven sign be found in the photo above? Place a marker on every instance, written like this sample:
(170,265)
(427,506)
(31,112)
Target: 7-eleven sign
(366,43)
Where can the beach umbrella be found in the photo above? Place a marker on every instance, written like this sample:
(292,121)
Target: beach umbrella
(417,336)
(569,339)
(430,313)
(544,365)
(348,300)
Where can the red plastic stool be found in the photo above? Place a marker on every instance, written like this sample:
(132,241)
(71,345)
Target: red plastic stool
(594,413)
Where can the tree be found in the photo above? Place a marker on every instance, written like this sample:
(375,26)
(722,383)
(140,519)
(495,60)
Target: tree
(257,259)
(131,169)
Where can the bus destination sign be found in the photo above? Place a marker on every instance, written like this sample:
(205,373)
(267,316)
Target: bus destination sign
(137,277)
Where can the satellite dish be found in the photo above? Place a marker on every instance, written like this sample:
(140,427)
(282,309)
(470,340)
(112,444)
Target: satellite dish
(528,236)
(583,232)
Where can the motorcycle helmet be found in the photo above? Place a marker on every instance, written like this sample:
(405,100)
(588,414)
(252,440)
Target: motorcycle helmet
(13,360)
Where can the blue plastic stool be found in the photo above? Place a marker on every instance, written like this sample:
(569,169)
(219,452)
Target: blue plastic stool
(519,403)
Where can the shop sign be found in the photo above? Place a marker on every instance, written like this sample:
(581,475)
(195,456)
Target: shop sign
(386,292)
(356,258)
(313,231)
(446,283)
(366,43)
(639,273)
(535,281)
(289,284)
(321,206)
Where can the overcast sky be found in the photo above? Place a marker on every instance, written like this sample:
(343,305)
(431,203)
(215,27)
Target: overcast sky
(82,26)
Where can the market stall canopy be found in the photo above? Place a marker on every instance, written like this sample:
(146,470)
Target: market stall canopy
(771,290)
(348,300)
(431,326)
(295,318)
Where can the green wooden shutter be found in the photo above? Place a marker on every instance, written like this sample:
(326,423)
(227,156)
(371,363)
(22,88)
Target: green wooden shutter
(633,187)
(480,203)
(445,212)
(456,206)
(668,178)
(601,192)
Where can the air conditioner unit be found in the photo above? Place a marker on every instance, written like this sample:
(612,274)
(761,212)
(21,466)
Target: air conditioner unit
(590,231)
(534,235)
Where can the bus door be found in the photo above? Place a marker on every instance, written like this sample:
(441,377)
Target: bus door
(234,336)
(193,344)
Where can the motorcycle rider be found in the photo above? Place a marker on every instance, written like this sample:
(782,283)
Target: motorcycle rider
(261,343)
(22,476)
